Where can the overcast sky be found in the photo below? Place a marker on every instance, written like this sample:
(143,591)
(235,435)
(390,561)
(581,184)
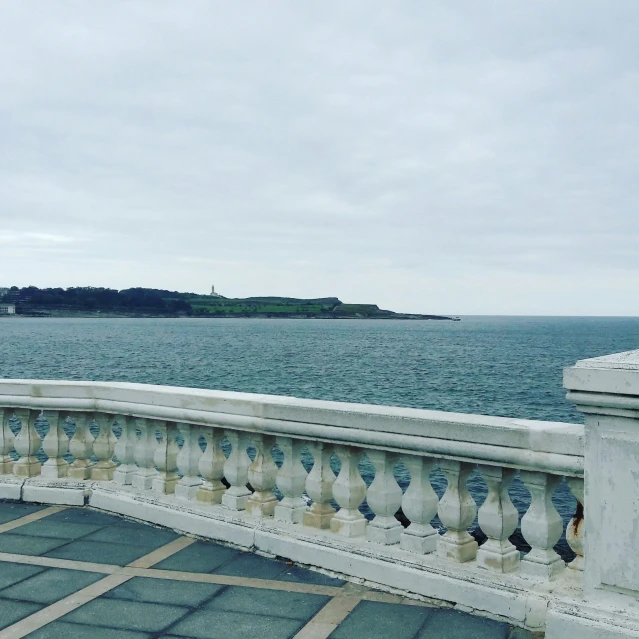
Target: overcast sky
(446,157)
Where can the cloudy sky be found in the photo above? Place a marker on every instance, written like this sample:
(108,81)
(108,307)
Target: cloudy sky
(466,157)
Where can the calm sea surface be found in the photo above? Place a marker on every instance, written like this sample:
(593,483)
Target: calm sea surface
(509,366)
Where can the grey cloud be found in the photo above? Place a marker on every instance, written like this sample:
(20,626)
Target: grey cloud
(399,154)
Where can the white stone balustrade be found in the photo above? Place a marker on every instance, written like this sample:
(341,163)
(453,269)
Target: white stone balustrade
(290,512)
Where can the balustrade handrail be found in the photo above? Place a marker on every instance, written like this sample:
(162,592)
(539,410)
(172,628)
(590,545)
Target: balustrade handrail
(552,447)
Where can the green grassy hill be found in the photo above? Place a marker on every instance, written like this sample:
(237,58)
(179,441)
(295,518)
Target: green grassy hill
(162,303)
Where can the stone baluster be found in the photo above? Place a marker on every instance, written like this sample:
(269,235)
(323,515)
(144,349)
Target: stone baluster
(575,530)
(56,446)
(291,481)
(6,441)
(419,504)
(261,475)
(81,446)
(165,458)
(384,497)
(498,518)
(144,451)
(211,467)
(236,471)
(103,448)
(27,444)
(187,460)
(541,527)
(349,491)
(457,510)
(125,451)
(319,487)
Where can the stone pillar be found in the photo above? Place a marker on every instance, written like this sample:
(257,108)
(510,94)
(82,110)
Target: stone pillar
(498,519)
(319,487)
(419,504)
(56,446)
(6,441)
(606,390)
(291,481)
(457,510)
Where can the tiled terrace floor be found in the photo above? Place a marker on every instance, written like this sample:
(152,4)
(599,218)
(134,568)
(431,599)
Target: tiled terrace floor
(72,573)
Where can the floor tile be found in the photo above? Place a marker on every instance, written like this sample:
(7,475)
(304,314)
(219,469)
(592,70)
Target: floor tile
(452,624)
(101,553)
(128,615)
(375,620)
(26,545)
(300,575)
(12,611)
(222,624)
(10,511)
(277,603)
(84,516)
(51,585)
(134,535)
(247,564)
(180,593)
(13,573)
(63,630)
(201,556)
(58,529)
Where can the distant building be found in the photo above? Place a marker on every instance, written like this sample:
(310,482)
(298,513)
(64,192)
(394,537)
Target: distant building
(7,309)
(214,294)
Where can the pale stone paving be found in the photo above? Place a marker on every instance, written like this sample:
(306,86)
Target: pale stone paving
(119,596)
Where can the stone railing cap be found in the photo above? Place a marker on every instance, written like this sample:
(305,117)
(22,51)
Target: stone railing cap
(617,374)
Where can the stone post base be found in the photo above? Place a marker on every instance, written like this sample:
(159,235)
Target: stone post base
(349,523)
(385,534)
(422,545)
(457,550)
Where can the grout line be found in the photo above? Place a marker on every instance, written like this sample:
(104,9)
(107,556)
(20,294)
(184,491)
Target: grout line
(85,595)
(162,553)
(328,618)
(135,569)
(27,519)
(229,580)
(53,562)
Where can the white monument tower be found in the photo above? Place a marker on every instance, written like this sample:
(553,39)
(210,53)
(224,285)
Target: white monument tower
(213,293)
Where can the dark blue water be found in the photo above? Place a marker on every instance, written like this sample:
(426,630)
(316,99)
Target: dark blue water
(508,366)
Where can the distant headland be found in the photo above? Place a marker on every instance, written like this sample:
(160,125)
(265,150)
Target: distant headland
(88,301)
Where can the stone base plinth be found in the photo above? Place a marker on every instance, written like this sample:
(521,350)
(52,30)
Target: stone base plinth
(530,567)
(418,544)
(261,507)
(210,495)
(164,485)
(319,515)
(235,501)
(458,550)
(348,523)
(27,467)
(187,491)
(291,514)
(55,469)
(386,535)
(497,560)
(79,471)
(143,480)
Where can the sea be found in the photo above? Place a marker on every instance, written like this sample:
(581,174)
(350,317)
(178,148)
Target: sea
(507,366)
